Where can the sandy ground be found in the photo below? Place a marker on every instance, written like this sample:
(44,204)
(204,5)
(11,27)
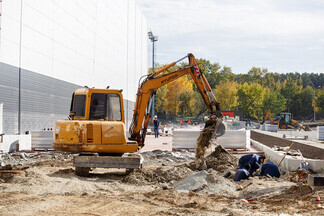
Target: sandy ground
(48,186)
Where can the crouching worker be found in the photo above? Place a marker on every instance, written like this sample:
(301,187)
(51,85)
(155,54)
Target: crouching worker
(269,169)
(242,173)
(253,160)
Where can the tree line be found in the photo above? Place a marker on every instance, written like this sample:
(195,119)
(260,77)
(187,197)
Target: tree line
(254,93)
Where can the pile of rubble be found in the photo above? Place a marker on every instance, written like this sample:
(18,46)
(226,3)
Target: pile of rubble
(21,159)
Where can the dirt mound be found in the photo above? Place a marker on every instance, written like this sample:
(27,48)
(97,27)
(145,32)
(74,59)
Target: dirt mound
(158,175)
(295,192)
(219,160)
(62,172)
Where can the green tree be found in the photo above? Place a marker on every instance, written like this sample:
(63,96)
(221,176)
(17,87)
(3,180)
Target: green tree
(319,101)
(251,99)
(226,74)
(274,101)
(226,93)
(257,74)
(160,99)
(305,103)
(290,90)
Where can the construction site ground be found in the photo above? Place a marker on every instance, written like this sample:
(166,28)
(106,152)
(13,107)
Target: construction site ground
(45,184)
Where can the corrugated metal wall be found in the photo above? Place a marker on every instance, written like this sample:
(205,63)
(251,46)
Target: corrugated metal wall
(43,100)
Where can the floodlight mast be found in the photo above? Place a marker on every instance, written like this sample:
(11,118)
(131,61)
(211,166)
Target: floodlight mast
(153,39)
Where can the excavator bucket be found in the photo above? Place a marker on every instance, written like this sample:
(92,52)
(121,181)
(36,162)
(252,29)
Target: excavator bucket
(306,128)
(220,131)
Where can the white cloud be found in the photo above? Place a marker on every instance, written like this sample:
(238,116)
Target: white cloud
(245,32)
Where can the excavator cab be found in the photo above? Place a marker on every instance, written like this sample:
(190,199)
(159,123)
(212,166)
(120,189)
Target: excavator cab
(285,120)
(96,124)
(286,117)
(98,104)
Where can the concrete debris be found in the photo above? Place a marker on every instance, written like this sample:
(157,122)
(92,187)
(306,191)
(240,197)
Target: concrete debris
(204,182)
(193,182)
(170,157)
(159,175)
(24,159)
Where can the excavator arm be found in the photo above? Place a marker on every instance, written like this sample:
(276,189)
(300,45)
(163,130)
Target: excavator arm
(268,117)
(161,77)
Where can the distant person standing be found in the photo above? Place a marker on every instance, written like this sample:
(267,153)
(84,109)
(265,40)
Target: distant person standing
(156,126)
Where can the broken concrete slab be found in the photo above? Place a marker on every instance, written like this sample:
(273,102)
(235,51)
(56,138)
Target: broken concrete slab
(316,180)
(192,182)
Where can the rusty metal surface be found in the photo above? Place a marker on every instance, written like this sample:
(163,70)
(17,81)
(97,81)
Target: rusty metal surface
(13,171)
(133,162)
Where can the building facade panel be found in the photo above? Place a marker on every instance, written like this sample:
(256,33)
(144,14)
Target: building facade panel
(61,45)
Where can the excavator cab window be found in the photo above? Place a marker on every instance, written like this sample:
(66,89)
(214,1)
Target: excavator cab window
(78,105)
(105,105)
(286,117)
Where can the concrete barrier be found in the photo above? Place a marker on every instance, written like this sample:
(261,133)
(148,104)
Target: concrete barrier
(270,127)
(41,139)
(234,125)
(320,132)
(12,143)
(186,139)
(290,163)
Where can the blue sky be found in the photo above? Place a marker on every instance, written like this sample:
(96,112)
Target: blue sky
(281,35)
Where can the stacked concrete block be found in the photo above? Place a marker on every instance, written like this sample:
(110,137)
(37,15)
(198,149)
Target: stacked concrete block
(320,132)
(234,139)
(41,139)
(263,127)
(270,127)
(186,139)
(234,125)
(12,143)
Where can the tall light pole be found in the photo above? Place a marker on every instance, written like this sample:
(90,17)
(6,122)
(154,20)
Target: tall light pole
(314,105)
(153,39)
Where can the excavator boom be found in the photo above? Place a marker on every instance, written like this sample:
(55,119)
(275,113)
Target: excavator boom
(161,77)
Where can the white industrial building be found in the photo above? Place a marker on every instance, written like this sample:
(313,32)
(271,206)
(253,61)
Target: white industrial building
(49,48)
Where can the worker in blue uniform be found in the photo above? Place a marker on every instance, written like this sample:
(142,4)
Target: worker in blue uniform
(253,160)
(269,169)
(242,173)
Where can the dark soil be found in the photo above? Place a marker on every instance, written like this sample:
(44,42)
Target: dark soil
(307,151)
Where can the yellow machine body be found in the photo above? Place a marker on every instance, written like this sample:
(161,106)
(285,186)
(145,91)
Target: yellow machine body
(90,132)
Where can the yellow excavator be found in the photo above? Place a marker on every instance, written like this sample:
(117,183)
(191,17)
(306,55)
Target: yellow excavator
(96,125)
(285,121)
